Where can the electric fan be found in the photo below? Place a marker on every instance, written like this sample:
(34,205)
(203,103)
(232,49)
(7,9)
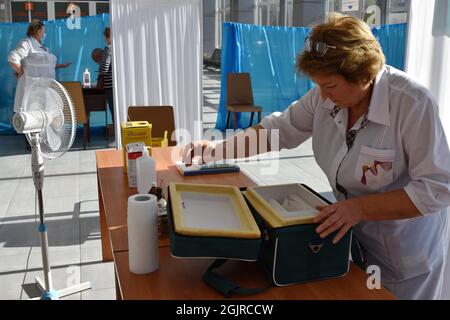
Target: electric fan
(48,121)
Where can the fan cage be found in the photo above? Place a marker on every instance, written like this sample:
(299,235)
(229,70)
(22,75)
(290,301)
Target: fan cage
(53,99)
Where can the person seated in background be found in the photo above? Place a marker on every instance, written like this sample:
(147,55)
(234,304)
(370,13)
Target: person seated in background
(96,55)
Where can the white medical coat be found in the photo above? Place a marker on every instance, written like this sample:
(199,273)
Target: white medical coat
(36,61)
(403,146)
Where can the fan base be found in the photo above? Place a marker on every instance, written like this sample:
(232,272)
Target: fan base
(63,292)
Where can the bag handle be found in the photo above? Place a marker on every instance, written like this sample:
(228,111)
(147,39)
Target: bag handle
(224,285)
(357,253)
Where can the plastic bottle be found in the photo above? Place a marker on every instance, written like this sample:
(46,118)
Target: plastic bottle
(86,79)
(145,172)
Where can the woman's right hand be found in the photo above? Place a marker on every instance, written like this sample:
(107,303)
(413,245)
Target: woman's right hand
(18,72)
(199,152)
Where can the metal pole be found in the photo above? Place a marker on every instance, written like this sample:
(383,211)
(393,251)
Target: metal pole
(44,245)
(29,11)
(37,168)
(282,16)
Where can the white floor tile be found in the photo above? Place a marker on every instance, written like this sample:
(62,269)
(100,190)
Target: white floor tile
(21,208)
(7,190)
(91,251)
(12,251)
(102,294)
(101,275)
(59,257)
(88,183)
(89,206)
(13,263)
(13,166)
(11,285)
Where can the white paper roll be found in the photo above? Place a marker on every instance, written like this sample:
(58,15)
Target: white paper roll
(143,233)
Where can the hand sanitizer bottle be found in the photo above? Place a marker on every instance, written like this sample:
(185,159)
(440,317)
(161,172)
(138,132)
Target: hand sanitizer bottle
(145,172)
(86,79)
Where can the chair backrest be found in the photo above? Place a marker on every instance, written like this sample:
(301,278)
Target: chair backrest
(239,89)
(161,118)
(76,93)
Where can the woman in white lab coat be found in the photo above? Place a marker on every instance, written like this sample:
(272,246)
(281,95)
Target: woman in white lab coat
(31,59)
(378,138)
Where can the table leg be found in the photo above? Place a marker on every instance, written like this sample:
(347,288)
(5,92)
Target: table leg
(106,244)
(89,127)
(118,293)
(85,135)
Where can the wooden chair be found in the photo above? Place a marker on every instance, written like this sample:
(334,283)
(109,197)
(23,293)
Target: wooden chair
(76,93)
(240,97)
(162,120)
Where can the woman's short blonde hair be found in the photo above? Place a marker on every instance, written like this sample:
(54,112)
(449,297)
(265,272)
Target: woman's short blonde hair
(34,27)
(357,55)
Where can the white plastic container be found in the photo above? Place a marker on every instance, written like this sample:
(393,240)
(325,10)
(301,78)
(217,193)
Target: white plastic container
(142,221)
(134,152)
(86,78)
(145,172)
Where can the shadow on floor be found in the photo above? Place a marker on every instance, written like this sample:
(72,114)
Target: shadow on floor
(31,290)
(64,229)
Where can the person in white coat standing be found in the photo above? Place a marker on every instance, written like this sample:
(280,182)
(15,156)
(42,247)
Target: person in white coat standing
(31,59)
(378,138)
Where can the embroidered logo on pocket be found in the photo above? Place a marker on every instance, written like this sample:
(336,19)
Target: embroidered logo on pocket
(377,165)
(375,168)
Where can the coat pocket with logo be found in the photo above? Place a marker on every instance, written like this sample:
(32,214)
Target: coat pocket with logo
(375,168)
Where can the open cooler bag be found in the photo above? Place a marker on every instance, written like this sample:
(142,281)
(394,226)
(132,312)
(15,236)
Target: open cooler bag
(269,224)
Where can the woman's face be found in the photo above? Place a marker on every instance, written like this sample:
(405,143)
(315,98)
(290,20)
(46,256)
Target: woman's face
(341,92)
(40,34)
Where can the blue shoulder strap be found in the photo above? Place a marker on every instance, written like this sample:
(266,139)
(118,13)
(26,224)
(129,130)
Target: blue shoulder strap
(224,285)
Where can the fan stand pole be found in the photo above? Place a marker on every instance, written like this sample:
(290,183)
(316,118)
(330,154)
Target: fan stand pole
(46,287)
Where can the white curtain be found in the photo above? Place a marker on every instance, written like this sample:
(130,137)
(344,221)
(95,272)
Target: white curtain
(157,58)
(428,59)
(428,51)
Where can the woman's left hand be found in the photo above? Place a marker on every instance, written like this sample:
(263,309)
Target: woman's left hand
(340,215)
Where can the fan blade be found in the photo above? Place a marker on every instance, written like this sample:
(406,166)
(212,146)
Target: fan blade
(53,104)
(59,128)
(53,138)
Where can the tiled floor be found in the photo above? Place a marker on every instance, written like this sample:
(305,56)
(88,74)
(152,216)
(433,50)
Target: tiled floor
(211,97)
(71,210)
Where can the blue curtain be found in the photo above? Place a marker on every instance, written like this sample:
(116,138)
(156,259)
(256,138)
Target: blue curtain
(68,45)
(269,53)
